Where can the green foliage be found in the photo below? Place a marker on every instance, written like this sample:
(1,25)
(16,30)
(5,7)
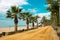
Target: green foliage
(25,15)
(49,1)
(14,11)
(34,18)
(45,21)
(8,14)
(54,9)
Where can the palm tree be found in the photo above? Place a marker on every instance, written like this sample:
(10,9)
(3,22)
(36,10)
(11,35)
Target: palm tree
(13,13)
(26,16)
(32,20)
(37,19)
(43,21)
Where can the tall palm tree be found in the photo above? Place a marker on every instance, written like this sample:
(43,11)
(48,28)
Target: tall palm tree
(26,16)
(32,20)
(13,13)
(37,19)
(43,21)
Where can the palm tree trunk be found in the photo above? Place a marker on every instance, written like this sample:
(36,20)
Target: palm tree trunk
(57,19)
(16,22)
(27,22)
(27,26)
(15,27)
(33,24)
(37,23)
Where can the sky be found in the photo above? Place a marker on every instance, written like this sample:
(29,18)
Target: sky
(33,6)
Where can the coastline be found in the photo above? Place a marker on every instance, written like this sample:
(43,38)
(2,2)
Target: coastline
(9,29)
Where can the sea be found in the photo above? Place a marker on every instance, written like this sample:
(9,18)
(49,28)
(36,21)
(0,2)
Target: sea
(12,26)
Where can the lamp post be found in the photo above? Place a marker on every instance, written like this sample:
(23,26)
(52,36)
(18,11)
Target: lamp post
(59,12)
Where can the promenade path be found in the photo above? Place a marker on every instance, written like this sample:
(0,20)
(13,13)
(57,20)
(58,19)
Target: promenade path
(41,33)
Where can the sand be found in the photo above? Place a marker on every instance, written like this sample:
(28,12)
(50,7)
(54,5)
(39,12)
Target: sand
(43,33)
(12,29)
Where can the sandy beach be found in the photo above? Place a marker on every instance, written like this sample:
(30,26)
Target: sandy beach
(12,29)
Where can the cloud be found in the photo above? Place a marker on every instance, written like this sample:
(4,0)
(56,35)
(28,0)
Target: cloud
(33,10)
(46,5)
(5,4)
(43,14)
(47,15)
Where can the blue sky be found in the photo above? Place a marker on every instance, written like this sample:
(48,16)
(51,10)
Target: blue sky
(33,6)
(40,5)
